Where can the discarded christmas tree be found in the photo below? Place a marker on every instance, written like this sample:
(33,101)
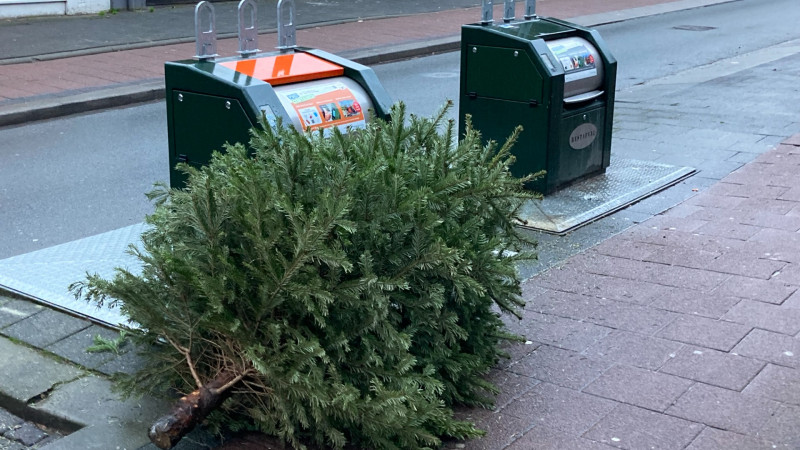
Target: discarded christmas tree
(328,290)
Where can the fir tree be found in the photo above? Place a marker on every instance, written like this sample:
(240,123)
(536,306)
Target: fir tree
(341,290)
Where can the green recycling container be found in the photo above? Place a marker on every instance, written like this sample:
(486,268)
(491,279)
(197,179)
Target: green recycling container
(554,78)
(212,100)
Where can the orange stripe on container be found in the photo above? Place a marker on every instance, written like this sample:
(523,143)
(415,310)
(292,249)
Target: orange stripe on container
(285,69)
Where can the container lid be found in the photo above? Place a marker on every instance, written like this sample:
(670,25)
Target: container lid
(285,68)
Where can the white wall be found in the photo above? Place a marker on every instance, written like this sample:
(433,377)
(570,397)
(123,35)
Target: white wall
(87,6)
(24,8)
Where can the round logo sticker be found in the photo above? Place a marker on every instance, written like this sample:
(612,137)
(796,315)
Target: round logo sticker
(582,136)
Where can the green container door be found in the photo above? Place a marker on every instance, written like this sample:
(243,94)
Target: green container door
(204,122)
(581,144)
(502,74)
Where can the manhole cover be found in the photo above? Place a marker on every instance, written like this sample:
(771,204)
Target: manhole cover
(694,28)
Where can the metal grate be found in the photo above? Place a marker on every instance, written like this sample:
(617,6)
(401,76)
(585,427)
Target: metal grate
(44,275)
(625,181)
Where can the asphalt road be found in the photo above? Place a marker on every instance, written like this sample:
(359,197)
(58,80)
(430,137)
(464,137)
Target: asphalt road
(74,177)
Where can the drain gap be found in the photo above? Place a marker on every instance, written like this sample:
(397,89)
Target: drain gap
(693,28)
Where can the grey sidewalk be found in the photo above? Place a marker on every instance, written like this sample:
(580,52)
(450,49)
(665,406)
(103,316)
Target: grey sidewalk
(681,332)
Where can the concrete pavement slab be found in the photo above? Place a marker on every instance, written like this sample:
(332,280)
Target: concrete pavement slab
(102,437)
(724,409)
(713,367)
(27,434)
(705,332)
(515,350)
(625,316)
(560,303)
(501,429)
(765,316)
(89,400)
(127,362)
(711,305)
(771,347)
(559,409)
(8,421)
(676,276)
(560,332)
(27,374)
(778,383)
(74,347)
(639,387)
(773,291)
(714,439)
(45,328)
(635,350)
(543,437)
(781,429)
(13,311)
(6,444)
(743,264)
(561,367)
(511,386)
(631,427)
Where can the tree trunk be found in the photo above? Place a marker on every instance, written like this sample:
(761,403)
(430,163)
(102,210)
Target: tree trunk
(188,412)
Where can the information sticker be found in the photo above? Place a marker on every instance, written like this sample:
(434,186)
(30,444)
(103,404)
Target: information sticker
(577,60)
(326,105)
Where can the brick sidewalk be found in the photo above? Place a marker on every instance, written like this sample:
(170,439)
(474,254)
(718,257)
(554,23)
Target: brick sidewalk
(80,73)
(681,332)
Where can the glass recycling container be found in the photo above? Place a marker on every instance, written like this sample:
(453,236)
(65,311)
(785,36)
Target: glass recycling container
(212,101)
(554,78)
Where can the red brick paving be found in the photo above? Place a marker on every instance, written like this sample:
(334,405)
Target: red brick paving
(706,354)
(94,71)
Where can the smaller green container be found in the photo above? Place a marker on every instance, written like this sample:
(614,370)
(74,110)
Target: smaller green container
(554,78)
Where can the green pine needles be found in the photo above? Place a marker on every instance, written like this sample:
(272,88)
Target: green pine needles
(346,289)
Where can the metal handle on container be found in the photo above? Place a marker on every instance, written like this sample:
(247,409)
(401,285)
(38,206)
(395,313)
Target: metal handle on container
(487,13)
(287,38)
(530,9)
(248,35)
(508,11)
(205,41)
(585,97)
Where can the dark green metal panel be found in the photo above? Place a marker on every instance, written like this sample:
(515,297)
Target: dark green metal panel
(482,64)
(581,144)
(196,132)
(204,123)
(530,153)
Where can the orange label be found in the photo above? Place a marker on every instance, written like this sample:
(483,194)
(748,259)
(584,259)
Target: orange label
(325,106)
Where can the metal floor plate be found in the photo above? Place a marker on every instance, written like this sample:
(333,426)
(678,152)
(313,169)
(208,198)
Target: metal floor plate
(626,181)
(44,275)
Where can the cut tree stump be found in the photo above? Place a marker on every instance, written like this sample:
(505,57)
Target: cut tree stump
(190,410)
